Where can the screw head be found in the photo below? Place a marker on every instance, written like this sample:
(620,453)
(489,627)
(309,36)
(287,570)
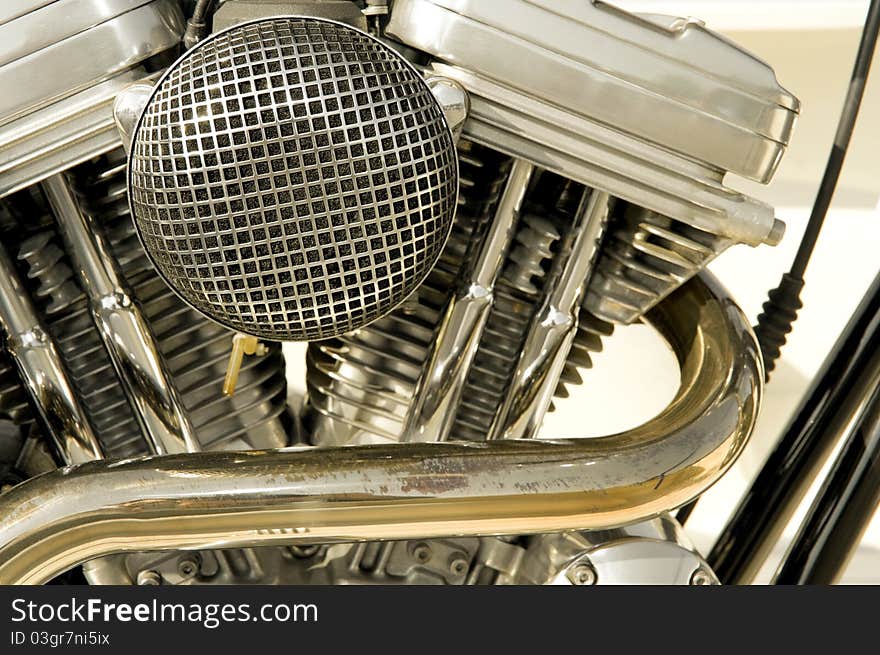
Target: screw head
(421,552)
(458,564)
(187,567)
(701,578)
(149,578)
(582,574)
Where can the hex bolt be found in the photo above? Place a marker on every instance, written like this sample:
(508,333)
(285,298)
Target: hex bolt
(701,578)
(458,564)
(149,578)
(582,574)
(187,567)
(421,552)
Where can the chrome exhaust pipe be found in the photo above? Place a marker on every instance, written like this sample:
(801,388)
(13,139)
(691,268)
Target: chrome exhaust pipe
(213,500)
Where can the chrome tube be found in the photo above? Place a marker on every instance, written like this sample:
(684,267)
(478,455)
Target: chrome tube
(127,110)
(39,364)
(442,379)
(400,491)
(552,328)
(126,334)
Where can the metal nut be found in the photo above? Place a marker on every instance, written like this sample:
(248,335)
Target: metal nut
(582,574)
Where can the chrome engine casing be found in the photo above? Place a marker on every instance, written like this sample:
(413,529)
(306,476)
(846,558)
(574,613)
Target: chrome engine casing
(591,191)
(63,62)
(653,552)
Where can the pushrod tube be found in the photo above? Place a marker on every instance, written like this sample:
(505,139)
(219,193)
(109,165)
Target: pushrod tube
(838,396)
(553,326)
(442,379)
(127,336)
(38,360)
(401,491)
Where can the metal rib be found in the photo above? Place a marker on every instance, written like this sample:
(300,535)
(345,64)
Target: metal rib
(401,491)
(645,257)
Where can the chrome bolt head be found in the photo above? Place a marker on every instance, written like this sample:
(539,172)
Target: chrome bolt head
(149,578)
(421,552)
(458,564)
(701,578)
(187,567)
(582,574)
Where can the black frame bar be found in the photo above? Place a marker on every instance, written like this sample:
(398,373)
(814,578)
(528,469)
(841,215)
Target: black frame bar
(839,395)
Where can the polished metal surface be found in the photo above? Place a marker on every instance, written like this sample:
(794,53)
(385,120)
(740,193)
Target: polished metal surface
(621,164)
(405,491)
(673,83)
(194,348)
(516,297)
(453,101)
(12,9)
(553,327)
(127,109)
(67,60)
(126,334)
(645,258)
(361,384)
(40,366)
(43,24)
(293,178)
(442,380)
(455,201)
(52,56)
(424,562)
(61,135)
(651,553)
(229,14)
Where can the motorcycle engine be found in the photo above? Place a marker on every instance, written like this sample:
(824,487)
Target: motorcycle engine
(454,202)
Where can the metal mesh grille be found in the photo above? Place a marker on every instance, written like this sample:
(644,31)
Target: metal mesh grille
(293,178)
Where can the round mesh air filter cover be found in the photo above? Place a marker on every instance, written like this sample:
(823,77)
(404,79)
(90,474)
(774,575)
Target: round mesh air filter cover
(293,178)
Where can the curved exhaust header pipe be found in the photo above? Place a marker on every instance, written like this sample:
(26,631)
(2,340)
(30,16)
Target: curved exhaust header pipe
(240,499)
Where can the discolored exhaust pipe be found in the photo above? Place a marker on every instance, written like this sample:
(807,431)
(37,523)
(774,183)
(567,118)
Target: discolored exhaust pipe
(401,491)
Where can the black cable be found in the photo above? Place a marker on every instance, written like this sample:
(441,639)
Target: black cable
(783,303)
(841,139)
